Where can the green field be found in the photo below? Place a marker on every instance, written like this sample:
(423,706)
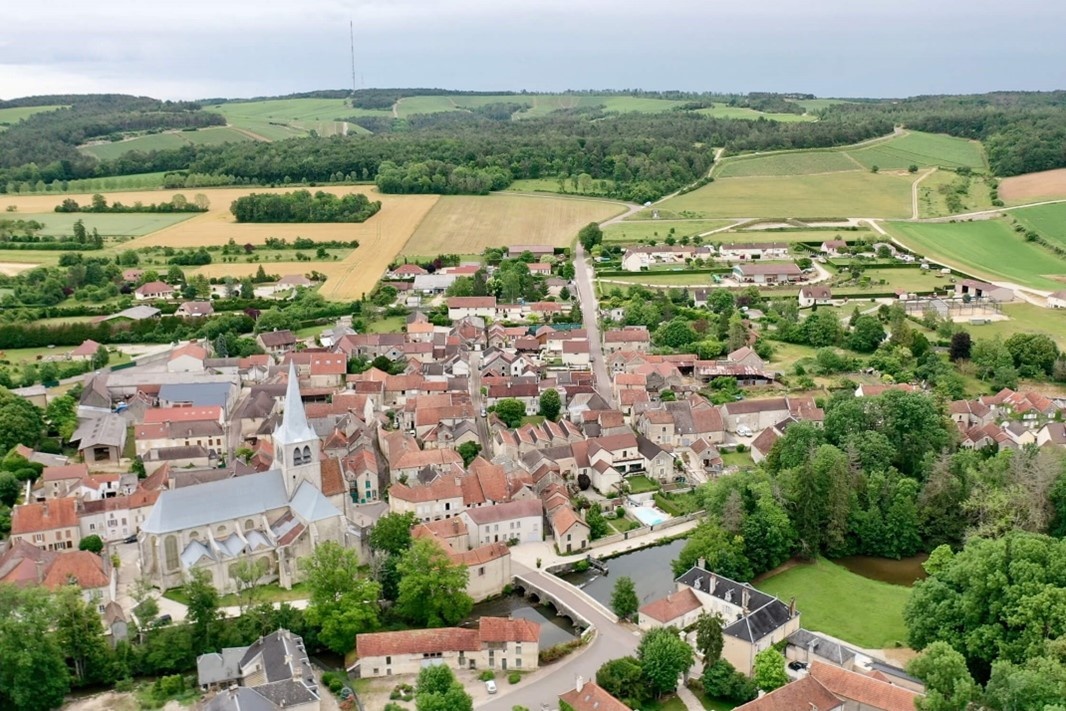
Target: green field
(1025,318)
(536,104)
(1048,220)
(278,119)
(133,224)
(799,163)
(627,232)
(933,191)
(212,136)
(861,194)
(910,279)
(14,115)
(833,600)
(819,104)
(985,248)
(797,235)
(921,149)
(737,112)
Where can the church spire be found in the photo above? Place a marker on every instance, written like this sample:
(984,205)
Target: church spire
(294,427)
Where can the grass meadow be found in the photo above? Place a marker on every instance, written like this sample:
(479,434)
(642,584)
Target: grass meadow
(1025,318)
(833,600)
(212,136)
(109,225)
(791,163)
(797,235)
(16,114)
(985,248)
(278,119)
(737,112)
(922,149)
(812,196)
(1048,220)
(469,224)
(635,231)
(932,197)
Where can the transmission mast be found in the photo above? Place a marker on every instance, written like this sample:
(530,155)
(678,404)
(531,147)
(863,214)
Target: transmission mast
(351,37)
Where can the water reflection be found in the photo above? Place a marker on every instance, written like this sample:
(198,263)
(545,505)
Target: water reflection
(897,572)
(553,629)
(649,568)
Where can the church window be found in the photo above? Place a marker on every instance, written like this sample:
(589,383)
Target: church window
(248,525)
(170,552)
(307,455)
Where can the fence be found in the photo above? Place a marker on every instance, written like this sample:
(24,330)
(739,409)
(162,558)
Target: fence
(644,530)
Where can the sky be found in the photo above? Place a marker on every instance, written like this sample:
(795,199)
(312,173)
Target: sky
(244,48)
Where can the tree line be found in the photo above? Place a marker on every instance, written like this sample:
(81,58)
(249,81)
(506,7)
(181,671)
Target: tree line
(99,204)
(302,206)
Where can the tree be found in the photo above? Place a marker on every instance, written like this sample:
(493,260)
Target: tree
(550,404)
(1034,354)
(948,684)
(590,235)
(623,679)
(866,335)
(768,672)
(709,640)
(511,411)
(22,420)
(664,656)
(10,488)
(597,524)
(80,635)
(822,328)
(960,346)
(437,689)
(676,334)
(392,533)
(468,451)
(93,544)
(722,552)
(204,614)
(33,673)
(722,681)
(61,416)
(343,601)
(624,601)
(737,336)
(432,589)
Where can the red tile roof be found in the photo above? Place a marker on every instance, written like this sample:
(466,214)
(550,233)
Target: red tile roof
(69,471)
(503,629)
(87,569)
(431,641)
(592,697)
(671,607)
(862,689)
(332,479)
(803,695)
(183,414)
(47,516)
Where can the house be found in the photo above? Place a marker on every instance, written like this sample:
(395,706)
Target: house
(433,283)
(772,273)
(460,307)
(182,427)
(626,339)
(497,643)
(59,481)
(276,342)
(760,446)
(539,251)
(1057,300)
(101,439)
(51,525)
(271,673)
(978,290)
(752,620)
(406,271)
(576,353)
(829,688)
(1052,433)
(287,285)
(327,370)
(153,290)
(805,693)
(658,463)
(118,517)
(678,609)
(85,351)
(815,296)
(24,565)
(570,532)
(752,251)
(833,247)
(219,394)
(589,696)
(761,413)
(509,521)
(195,309)
(187,359)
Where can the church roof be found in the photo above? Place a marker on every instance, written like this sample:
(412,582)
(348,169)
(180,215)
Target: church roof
(310,505)
(294,427)
(203,504)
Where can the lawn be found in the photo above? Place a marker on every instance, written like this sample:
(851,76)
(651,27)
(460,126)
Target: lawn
(796,235)
(851,194)
(833,600)
(922,149)
(680,278)
(986,248)
(392,324)
(211,136)
(903,278)
(271,592)
(787,163)
(741,460)
(16,114)
(532,420)
(1025,318)
(640,484)
(469,224)
(1048,220)
(659,230)
(621,525)
(133,224)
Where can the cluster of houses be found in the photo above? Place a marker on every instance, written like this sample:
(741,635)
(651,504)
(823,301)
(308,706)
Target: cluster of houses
(637,259)
(161,291)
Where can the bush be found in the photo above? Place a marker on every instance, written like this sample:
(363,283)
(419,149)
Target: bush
(334,681)
(394,707)
(514,677)
(551,654)
(487,675)
(581,566)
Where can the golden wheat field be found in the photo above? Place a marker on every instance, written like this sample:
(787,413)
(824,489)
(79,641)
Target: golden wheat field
(463,224)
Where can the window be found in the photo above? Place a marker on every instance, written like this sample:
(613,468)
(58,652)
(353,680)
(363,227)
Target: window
(481,571)
(388,660)
(92,526)
(170,552)
(518,663)
(518,648)
(38,537)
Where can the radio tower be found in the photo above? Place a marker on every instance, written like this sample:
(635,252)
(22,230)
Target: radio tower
(351,37)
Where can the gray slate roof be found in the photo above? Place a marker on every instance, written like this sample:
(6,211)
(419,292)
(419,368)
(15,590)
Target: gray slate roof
(108,430)
(178,509)
(198,394)
(822,646)
(310,505)
(767,613)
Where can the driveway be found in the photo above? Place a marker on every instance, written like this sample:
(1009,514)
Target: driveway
(591,320)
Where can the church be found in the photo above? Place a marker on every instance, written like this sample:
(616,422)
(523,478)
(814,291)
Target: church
(270,519)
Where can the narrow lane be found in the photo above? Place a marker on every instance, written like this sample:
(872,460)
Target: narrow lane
(586,293)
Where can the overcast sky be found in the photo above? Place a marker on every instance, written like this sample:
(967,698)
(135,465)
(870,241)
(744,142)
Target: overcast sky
(242,48)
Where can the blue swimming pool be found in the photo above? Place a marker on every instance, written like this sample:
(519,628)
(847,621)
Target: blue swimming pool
(648,516)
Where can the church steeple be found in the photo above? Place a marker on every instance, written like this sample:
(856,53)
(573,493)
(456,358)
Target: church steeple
(296,446)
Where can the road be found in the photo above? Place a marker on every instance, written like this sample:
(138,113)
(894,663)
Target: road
(612,641)
(914,192)
(586,293)
(478,399)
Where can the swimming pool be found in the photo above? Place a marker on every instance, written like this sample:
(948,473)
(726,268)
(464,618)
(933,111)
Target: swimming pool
(648,515)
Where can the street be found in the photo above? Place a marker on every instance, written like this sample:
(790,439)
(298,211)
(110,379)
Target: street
(586,293)
(478,399)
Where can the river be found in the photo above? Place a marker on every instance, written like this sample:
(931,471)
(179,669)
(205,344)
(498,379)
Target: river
(649,568)
(553,629)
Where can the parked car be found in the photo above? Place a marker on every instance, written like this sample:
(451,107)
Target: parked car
(490,686)
(744,431)
(797,666)
(130,539)
(162,621)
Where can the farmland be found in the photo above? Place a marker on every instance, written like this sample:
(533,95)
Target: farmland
(986,248)
(787,163)
(921,149)
(739,112)
(828,195)
(278,119)
(14,115)
(212,136)
(1048,220)
(109,225)
(798,235)
(636,231)
(1025,318)
(1033,187)
(467,225)
(536,104)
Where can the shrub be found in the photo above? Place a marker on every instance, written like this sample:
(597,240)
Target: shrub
(394,707)
(551,654)
(581,566)
(514,677)
(487,675)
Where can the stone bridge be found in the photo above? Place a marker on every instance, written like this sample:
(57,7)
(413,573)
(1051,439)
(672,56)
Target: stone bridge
(536,592)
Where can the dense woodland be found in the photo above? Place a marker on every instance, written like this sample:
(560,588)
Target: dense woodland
(302,206)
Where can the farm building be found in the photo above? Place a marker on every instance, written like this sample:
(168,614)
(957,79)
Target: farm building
(783,272)
(1057,300)
(195,309)
(750,251)
(982,290)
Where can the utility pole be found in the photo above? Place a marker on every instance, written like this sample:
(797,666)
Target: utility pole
(351,37)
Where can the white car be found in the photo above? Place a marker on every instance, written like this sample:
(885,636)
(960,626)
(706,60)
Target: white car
(744,431)
(490,686)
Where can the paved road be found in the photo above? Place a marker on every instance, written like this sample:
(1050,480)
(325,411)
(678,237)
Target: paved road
(543,687)
(479,404)
(586,293)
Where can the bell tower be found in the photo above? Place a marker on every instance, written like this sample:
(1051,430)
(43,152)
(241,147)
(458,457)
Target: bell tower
(296,446)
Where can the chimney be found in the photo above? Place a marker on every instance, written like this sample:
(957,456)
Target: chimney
(39,564)
(580,683)
(712,584)
(702,563)
(792,607)
(745,596)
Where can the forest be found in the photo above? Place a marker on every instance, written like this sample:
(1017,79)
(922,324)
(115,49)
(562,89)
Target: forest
(302,206)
